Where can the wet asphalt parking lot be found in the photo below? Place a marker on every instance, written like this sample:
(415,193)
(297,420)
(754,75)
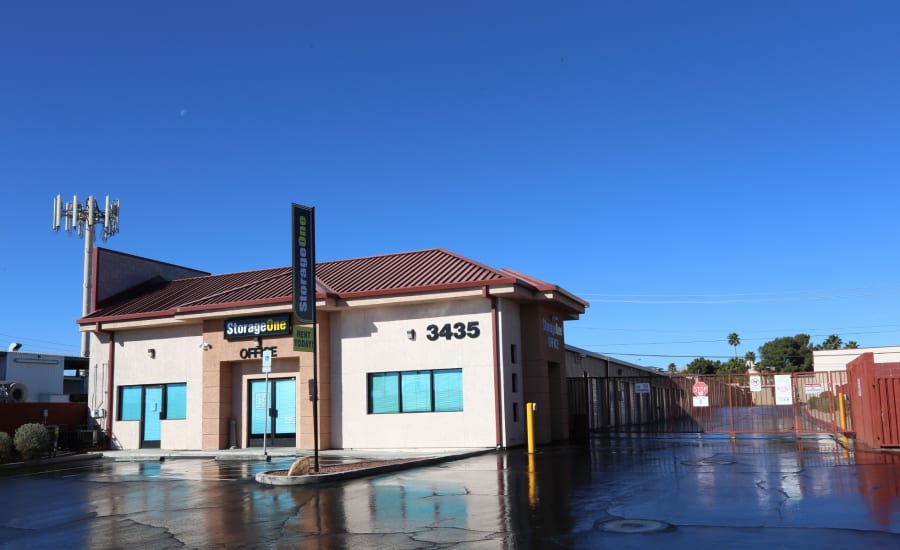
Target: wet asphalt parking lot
(626,491)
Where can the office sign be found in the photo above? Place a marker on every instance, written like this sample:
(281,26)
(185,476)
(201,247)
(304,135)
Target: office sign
(303,267)
(251,327)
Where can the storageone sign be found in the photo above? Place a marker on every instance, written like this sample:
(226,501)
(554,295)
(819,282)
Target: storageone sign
(251,327)
(304,262)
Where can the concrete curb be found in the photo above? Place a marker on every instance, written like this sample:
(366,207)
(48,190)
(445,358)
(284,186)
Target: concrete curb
(268,478)
(160,456)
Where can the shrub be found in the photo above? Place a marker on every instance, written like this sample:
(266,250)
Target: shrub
(825,402)
(31,440)
(6,446)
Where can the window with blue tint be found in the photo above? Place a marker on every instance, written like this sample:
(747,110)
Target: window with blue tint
(448,395)
(176,401)
(384,392)
(416,391)
(130,398)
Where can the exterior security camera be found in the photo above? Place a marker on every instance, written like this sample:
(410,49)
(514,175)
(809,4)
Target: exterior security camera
(205,346)
(15,346)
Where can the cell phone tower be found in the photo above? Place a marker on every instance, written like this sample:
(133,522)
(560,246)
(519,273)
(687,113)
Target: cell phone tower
(82,218)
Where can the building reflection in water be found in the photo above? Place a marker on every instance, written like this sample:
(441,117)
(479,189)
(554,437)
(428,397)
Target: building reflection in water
(496,497)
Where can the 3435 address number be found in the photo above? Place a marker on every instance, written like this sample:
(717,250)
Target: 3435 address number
(455,330)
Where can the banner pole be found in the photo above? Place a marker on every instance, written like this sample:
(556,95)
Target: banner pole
(303,252)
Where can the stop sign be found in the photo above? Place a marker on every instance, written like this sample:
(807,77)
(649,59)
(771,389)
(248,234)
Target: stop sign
(700,389)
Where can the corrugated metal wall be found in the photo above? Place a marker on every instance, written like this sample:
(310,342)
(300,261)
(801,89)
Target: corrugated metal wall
(739,403)
(874,390)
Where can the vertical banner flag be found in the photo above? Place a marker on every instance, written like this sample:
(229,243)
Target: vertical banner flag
(304,263)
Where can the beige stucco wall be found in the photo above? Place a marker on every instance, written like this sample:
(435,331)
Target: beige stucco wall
(353,341)
(513,397)
(227,380)
(837,359)
(177,359)
(375,340)
(543,365)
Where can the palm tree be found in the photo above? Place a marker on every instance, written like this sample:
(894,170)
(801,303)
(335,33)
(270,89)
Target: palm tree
(832,342)
(734,340)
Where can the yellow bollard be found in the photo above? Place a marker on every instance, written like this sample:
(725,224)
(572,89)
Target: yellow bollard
(532,482)
(529,425)
(843,412)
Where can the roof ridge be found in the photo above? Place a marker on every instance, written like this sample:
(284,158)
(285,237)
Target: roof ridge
(386,255)
(238,287)
(217,275)
(473,262)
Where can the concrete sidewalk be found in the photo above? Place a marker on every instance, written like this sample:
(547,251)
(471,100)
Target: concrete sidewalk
(281,457)
(280,453)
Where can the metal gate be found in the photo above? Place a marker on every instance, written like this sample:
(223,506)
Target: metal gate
(798,403)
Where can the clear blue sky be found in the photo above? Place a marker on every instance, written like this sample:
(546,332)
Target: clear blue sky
(690,168)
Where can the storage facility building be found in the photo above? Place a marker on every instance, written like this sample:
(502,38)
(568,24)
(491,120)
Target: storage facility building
(423,349)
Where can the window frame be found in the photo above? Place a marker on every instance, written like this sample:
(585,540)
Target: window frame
(124,405)
(167,401)
(127,406)
(411,398)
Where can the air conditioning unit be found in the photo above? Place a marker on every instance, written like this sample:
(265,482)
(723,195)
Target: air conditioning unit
(13,392)
(89,438)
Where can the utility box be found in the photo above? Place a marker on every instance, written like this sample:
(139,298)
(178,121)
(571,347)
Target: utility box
(874,390)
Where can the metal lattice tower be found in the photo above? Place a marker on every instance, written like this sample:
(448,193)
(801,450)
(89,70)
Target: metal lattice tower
(82,218)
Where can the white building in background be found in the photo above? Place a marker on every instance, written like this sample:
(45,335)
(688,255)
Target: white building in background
(41,377)
(837,359)
(423,349)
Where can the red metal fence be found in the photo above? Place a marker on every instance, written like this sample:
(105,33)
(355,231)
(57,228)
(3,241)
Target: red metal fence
(874,391)
(67,420)
(797,403)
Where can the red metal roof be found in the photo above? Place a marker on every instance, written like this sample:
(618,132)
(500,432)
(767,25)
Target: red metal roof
(410,271)
(391,274)
(267,285)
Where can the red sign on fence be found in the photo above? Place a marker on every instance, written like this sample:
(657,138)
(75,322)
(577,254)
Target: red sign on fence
(700,389)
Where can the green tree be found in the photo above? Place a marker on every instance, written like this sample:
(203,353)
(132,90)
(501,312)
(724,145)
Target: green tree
(734,340)
(851,345)
(673,368)
(786,354)
(702,365)
(832,342)
(732,366)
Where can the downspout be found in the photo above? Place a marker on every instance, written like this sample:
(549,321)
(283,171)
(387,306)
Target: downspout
(495,335)
(109,383)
